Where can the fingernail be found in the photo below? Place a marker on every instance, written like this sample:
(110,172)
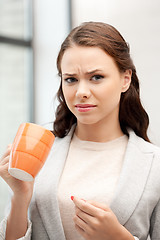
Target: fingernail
(72,197)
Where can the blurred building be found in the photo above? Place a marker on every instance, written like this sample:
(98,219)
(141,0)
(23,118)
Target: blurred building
(31,33)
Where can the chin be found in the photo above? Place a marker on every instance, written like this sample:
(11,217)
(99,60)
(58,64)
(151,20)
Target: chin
(87,121)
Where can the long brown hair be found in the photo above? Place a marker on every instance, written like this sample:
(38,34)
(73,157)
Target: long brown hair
(131,113)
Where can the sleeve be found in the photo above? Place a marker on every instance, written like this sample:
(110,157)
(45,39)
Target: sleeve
(3,225)
(155,223)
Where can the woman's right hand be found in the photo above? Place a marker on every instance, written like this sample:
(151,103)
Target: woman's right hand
(21,190)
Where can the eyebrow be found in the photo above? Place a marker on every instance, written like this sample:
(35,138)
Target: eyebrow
(87,73)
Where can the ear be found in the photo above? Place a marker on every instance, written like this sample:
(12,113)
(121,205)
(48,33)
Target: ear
(126,80)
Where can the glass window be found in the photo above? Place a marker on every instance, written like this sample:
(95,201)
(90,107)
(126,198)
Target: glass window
(15,90)
(16,80)
(15,18)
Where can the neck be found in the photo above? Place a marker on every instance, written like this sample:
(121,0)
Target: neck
(98,132)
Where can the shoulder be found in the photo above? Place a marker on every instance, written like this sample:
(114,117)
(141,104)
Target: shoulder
(146,157)
(143,145)
(145,149)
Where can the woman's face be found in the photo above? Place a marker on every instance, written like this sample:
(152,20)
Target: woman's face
(92,84)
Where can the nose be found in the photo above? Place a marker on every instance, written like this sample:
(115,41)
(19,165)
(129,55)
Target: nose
(83,90)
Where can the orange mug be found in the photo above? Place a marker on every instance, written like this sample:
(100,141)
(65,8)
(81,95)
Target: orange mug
(29,151)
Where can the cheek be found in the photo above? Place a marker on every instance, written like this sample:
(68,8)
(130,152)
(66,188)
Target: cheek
(65,91)
(68,94)
(110,95)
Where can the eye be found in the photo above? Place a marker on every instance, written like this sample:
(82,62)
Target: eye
(70,80)
(96,77)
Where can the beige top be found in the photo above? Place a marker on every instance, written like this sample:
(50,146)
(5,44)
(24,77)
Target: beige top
(91,172)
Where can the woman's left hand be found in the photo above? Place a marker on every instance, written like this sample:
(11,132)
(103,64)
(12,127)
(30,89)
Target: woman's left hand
(95,221)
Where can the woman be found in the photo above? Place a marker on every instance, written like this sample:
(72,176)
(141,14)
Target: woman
(101,180)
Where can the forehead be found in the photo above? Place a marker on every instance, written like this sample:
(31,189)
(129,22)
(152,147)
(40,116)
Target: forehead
(86,57)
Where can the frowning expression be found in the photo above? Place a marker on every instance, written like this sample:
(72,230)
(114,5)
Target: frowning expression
(92,84)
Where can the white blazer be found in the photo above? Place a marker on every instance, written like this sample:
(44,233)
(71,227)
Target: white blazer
(136,202)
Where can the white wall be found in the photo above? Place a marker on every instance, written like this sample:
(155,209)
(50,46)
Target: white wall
(51,25)
(139,23)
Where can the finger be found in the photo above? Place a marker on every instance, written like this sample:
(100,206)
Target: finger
(87,207)
(84,216)
(81,224)
(9,146)
(81,231)
(4,161)
(4,170)
(99,205)
(7,152)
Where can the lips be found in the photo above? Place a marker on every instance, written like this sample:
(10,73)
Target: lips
(84,107)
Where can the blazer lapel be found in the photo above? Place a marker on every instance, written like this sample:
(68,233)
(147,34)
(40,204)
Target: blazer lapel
(133,177)
(46,188)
